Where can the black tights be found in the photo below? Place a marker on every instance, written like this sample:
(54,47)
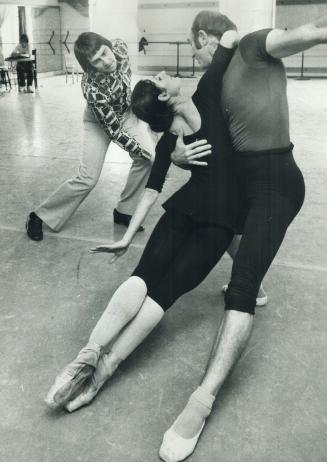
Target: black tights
(181,252)
(274,188)
(179,255)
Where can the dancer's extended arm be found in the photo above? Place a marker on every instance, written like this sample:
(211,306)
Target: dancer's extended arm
(145,204)
(153,188)
(282,43)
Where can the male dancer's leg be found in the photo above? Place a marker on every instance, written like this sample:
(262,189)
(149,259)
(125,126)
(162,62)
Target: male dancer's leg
(232,251)
(61,205)
(264,232)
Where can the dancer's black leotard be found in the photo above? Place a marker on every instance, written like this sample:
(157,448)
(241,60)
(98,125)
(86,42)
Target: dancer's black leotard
(203,216)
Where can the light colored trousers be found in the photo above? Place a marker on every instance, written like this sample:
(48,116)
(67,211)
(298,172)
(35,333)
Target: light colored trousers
(61,205)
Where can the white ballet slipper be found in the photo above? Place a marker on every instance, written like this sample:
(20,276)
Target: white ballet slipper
(260,301)
(175,448)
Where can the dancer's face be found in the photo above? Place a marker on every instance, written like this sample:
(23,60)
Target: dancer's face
(202,49)
(167,84)
(104,60)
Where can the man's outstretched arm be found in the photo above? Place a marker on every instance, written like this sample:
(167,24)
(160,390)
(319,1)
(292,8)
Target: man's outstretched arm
(282,43)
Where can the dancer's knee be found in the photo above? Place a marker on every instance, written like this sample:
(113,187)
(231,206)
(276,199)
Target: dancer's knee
(85,179)
(137,283)
(242,293)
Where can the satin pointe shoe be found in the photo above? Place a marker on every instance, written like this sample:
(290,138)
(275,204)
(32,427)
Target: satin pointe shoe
(72,377)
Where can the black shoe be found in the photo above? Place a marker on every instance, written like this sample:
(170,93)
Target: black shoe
(123,219)
(34,227)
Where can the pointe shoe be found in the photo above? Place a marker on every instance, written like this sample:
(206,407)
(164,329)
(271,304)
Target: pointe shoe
(175,448)
(260,301)
(72,377)
(85,397)
(104,370)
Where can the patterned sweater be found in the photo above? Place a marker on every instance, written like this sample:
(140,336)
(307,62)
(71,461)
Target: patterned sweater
(109,97)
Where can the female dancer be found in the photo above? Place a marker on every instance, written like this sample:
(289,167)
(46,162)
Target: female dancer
(189,239)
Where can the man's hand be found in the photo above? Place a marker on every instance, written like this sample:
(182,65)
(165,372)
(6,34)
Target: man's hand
(188,154)
(117,248)
(229,39)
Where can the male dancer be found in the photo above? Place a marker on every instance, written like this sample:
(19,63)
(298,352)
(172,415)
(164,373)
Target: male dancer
(255,103)
(106,88)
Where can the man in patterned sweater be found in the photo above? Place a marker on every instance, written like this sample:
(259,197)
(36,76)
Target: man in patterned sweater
(106,88)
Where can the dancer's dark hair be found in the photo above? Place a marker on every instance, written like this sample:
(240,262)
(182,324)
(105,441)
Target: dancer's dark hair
(85,47)
(147,107)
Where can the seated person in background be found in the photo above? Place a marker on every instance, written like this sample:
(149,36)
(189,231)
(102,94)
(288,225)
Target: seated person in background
(24,67)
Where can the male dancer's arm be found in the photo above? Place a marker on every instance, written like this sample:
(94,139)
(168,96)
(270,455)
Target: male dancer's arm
(101,105)
(283,43)
(185,155)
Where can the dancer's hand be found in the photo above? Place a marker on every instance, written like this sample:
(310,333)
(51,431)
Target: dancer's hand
(117,248)
(188,154)
(229,39)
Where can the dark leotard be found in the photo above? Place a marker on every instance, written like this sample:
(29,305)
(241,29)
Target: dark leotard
(202,217)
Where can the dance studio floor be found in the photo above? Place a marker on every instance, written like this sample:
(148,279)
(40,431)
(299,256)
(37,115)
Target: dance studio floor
(273,408)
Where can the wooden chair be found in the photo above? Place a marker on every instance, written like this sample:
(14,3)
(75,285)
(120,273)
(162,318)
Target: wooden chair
(34,67)
(5,78)
(71,68)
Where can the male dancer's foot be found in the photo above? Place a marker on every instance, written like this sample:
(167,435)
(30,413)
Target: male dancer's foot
(180,440)
(123,219)
(106,367)
(72,377)
(34,227)
(262,297)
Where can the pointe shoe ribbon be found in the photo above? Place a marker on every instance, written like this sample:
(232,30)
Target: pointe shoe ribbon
(260,301)
(72,377)
(175,448)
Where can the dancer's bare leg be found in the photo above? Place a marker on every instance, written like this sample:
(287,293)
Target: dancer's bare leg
(134,333)
(232,251)
(181,438)
(123,306)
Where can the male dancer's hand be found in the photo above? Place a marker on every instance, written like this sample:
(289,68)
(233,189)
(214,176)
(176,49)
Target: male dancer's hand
(188,154)
(117,248)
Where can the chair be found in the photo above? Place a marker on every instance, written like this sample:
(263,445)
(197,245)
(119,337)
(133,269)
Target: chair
(4,77)
(13,71)
(34,67)
(70,68)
